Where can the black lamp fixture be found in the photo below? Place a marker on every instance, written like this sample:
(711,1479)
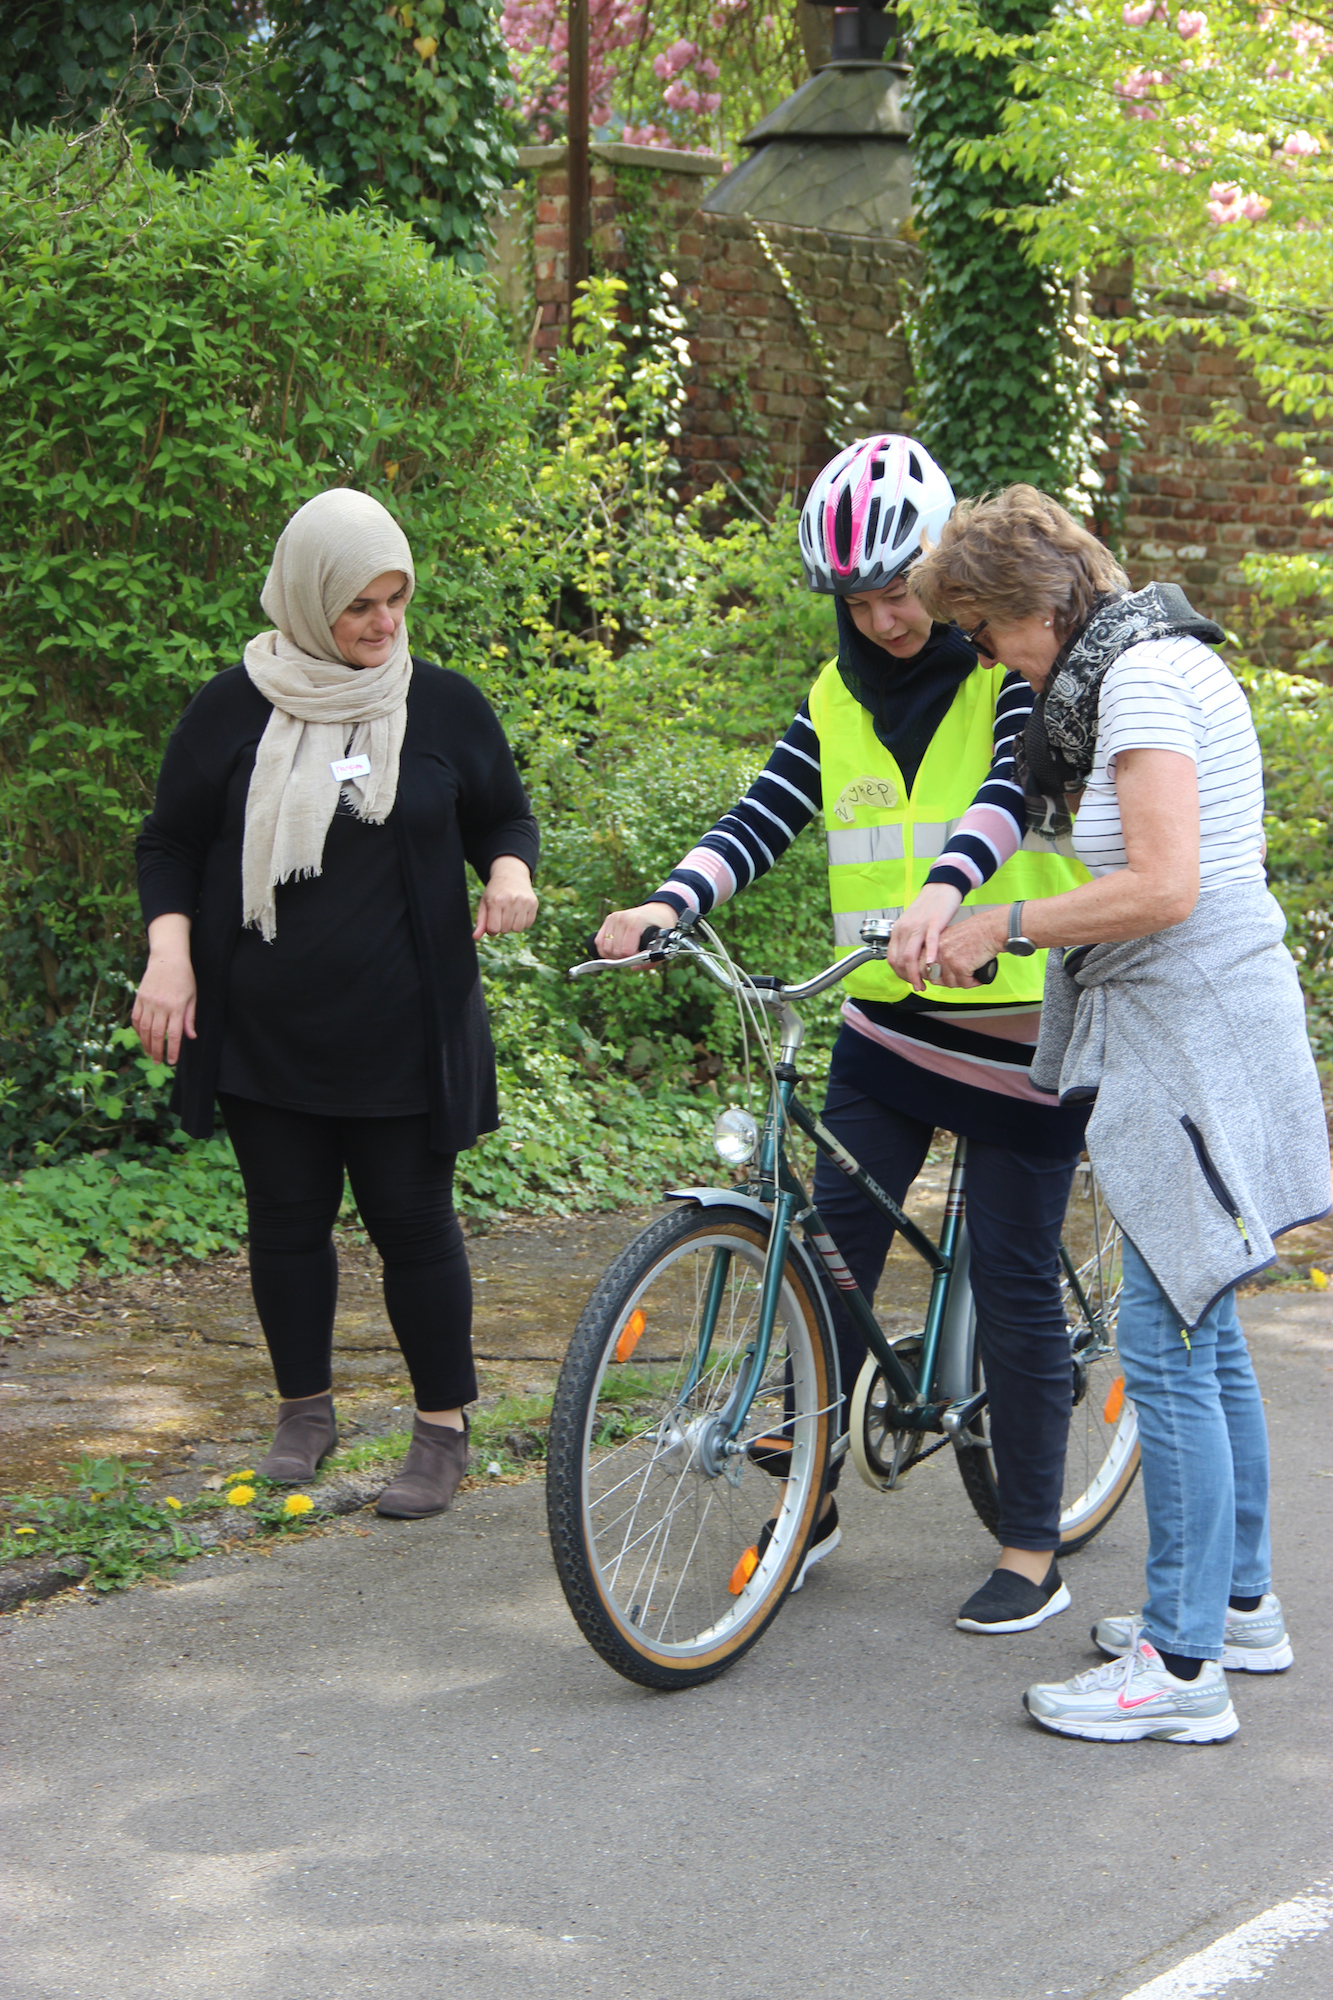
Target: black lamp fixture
(866,33)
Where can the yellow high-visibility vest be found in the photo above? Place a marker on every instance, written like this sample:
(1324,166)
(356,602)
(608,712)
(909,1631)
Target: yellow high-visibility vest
(883,841)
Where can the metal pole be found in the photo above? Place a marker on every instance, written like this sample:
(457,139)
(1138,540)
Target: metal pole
(580,189)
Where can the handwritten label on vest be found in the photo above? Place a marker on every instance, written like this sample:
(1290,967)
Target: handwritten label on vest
(350,767)
(880,793)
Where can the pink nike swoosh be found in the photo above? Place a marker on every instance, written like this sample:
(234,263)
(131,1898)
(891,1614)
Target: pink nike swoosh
(1120,1701)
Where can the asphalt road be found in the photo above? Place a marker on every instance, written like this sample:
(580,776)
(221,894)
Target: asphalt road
(383,1764)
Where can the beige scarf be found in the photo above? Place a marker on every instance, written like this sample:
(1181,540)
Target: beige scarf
(323,709)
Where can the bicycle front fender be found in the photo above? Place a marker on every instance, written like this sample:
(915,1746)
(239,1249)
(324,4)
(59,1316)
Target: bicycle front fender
(715,1197)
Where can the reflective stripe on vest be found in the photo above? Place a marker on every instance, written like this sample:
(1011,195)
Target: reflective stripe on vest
(882,840)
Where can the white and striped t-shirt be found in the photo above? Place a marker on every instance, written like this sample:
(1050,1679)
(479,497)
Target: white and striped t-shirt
(1176,694)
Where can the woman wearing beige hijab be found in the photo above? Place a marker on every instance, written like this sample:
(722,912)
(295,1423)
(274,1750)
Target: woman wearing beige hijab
(312,966)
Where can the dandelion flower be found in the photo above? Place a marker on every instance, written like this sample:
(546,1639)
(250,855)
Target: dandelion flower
(297,1503)
(248,1473)
(25,1531)
(1318,1278)
(170,1500)
(240,1496)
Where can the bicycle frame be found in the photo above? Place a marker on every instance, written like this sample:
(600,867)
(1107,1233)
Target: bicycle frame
(777,1192)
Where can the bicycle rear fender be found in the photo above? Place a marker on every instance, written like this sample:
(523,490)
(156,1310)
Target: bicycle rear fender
(714,1197)
(953,1360)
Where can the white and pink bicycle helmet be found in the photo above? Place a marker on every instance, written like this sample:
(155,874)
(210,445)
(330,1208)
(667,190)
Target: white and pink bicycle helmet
(864,517)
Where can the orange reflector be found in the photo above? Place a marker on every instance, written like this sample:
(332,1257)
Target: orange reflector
(632,1335)
(743,1571)
(1115,1401)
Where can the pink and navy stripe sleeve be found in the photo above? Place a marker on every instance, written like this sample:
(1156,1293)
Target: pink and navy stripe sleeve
(785,797)
(992,828)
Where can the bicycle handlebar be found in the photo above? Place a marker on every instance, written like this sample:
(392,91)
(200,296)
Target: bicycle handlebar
(657,946)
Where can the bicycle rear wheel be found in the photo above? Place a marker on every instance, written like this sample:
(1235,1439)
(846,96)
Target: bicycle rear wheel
(1102,1458)
(654,1525)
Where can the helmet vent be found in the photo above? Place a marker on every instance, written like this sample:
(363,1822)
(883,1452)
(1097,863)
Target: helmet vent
(877,468)
(906,522)
(914,467)
(871,524)
(842,528)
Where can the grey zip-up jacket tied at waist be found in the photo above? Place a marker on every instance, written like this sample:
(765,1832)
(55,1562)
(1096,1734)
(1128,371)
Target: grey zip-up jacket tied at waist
(1208,1137)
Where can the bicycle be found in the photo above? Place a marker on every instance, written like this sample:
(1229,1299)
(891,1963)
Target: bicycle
(706,1354)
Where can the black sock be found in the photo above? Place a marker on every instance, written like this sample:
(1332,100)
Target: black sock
(1244,1603)
(1176,1663)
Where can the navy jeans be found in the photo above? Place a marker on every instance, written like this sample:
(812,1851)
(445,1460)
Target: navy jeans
(1015,1212)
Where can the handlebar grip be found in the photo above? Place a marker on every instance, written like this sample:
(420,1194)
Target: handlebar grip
(985,973)
(646,938)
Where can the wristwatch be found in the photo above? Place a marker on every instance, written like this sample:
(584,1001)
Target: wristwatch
(1020,946)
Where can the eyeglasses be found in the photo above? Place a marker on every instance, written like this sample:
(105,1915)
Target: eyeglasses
(974,638)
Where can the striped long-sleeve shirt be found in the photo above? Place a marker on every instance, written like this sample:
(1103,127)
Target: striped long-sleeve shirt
(918,1054)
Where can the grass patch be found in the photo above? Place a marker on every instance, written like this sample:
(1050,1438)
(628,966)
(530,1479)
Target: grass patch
(108,1520)
(369,1451)
(123,1532)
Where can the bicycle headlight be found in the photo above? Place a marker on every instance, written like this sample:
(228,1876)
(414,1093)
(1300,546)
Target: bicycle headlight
(735,1136)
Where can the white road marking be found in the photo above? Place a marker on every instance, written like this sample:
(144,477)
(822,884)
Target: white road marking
(1244,1953)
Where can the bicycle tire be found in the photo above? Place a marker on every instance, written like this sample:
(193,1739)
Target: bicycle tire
(631,1462)
(1102,1455)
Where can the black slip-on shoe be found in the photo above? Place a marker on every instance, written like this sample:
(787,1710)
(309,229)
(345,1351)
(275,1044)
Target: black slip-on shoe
(1007,1602)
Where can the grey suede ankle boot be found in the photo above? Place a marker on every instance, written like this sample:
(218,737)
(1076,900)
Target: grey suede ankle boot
(436,1461)
(307,1432)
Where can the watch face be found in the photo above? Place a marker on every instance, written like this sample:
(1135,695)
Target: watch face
(1022,947)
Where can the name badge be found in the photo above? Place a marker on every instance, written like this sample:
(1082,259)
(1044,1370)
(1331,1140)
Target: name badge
(350,767)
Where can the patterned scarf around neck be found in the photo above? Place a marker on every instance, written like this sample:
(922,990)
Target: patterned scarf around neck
(1056,751)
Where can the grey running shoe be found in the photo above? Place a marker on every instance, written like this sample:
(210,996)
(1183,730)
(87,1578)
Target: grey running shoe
(1136,1697)
(1255,1642)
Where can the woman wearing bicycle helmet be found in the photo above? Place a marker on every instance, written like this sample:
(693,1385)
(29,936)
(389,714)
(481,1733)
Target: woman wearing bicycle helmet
(906,745)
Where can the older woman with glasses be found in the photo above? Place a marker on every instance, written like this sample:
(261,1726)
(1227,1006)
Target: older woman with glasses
(1175,1006)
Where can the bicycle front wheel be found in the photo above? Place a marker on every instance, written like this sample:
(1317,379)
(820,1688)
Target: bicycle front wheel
(655,1516)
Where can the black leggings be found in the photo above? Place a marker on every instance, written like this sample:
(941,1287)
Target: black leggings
(292,1163)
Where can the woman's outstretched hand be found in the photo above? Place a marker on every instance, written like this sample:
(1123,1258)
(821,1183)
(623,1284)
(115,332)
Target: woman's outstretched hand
(620,934)
(967,946)
(509,901)
(164,1005)
(915,943)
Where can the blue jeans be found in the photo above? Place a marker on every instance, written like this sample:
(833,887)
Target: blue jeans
(1015,1209)
(1205,1463)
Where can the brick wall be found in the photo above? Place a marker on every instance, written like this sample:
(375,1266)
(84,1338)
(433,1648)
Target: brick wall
(1194,511)
(758,386)
(757,411)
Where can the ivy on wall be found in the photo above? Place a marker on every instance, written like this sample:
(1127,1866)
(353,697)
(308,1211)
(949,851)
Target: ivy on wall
(1008,383)
(407,101)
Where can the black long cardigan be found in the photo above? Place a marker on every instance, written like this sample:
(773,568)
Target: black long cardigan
(459,800)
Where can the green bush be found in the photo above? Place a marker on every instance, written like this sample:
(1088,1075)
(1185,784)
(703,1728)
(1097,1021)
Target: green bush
(406,101)
(184,363)
(1294,720)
